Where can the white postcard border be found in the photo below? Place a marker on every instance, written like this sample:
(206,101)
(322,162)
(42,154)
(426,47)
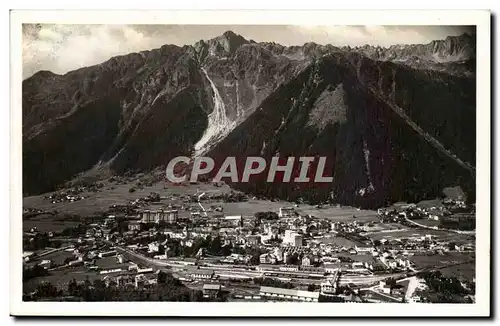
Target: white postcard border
(291,17)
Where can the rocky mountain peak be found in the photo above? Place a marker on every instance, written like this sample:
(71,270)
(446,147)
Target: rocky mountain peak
(449,55)
(379,123)
(221,46)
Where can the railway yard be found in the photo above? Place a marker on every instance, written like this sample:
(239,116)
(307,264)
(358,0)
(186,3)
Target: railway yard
(250,249)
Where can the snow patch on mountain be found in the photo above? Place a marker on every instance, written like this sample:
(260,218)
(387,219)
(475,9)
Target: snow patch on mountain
(219,125)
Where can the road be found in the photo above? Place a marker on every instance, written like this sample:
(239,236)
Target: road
(51,251)
(412,286)
(366,279)
(440,229)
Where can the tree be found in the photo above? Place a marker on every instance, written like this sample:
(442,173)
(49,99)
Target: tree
(391,282)
(160,237)
(47,290)
(215,246)
(227,250)
(73,288)
(35,271)
(312,287)
(323,298)
(161,249)
(255,259)
(122,226)
(266,216)
(162,277)
(99,284)
(293,259)
(162,224)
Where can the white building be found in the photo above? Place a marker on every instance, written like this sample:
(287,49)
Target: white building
(292,238)
(235,220)
(298,240)
(288,295)
(153,247)
(329,287)
(279,254)
(46,263)
(202,274)
(107,253)
(364,249)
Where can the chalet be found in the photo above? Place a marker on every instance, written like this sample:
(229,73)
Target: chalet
(306,261)
(329,286)
(211,291)
(235,220)
(134,226)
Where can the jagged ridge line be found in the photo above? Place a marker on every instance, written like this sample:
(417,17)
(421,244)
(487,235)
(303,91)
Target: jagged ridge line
(430,139)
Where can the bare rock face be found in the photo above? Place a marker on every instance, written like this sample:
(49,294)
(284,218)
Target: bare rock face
(395,124)
(455,54)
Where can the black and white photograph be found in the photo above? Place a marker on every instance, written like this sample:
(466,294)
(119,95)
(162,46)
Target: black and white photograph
(272,164)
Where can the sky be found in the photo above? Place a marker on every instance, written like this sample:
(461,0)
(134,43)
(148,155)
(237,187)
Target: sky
(61,48)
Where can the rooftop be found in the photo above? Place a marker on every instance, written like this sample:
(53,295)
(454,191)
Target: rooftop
(298,293)
(211,286)
(233,217)
(202,271)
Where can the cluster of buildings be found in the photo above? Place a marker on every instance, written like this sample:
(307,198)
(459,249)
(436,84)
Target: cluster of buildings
(157,216)
(293,238)
(450,209)
(289,248)
(73,194)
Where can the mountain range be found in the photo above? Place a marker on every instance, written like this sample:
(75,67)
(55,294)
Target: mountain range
(395,123)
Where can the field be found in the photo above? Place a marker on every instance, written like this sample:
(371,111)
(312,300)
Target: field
(461,264)
(46,223)
(61,278)
(427,222)
(58,257)
(339,241)
(252,206)
(96,202)
(382,227)
(395,234)
(467,271)
(340,214)
(118,194)
(361,258)
(407,232)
